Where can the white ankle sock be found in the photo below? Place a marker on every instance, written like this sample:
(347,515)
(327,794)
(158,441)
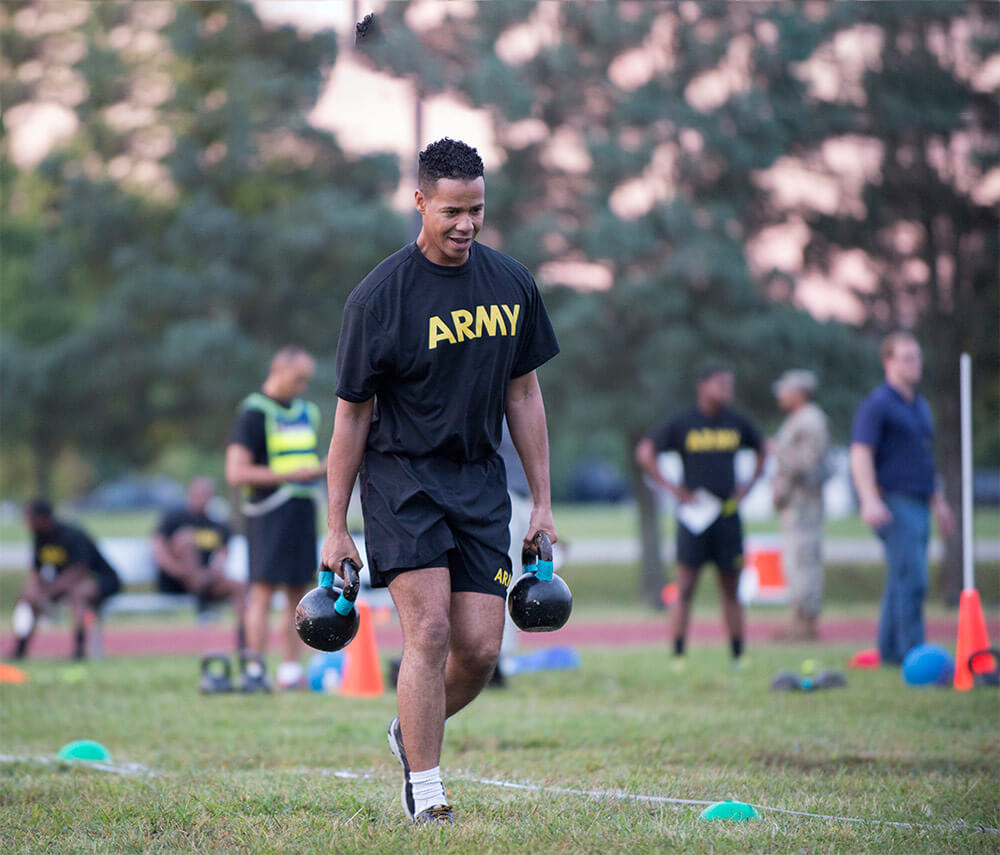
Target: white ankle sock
(427,789)
(289,673)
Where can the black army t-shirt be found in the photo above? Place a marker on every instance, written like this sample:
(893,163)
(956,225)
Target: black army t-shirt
(250,431)
(708,446)
(209,535)
(65,546)
(438,346)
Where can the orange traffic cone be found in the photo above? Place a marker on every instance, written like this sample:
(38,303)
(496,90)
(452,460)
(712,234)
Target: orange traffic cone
(11,674)
(362,672)
(972,636)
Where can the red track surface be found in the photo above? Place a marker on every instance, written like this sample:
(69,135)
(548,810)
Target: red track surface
(196,639)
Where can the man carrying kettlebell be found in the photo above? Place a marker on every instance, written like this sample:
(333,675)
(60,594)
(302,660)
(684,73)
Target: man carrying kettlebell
(438,343)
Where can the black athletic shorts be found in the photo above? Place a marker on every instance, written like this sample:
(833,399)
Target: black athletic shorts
(167,584)
(282,544)
(425,512)
(721,543)
(108,584)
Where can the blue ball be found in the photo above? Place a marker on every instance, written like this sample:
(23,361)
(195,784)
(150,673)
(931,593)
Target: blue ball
(325,671)
(927,665)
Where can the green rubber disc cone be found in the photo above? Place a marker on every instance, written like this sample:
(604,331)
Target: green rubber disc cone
(734,811)
(84,751)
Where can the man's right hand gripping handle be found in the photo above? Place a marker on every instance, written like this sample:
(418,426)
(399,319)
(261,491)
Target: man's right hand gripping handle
(338,546)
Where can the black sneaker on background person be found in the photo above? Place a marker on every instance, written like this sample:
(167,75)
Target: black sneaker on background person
(395,737)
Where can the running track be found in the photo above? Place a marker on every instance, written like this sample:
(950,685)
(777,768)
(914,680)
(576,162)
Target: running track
(198,639)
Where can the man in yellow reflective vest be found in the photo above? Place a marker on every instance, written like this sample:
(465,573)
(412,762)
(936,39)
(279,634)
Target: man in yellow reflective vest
(273,456)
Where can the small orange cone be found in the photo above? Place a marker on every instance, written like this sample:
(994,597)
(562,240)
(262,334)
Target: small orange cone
(362,672)
(11,674)
(668,595)
(972,636)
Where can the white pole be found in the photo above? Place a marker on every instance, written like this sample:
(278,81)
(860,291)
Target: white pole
(965,382)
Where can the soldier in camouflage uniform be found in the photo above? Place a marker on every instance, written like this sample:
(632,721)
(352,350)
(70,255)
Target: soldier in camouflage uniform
(800,449)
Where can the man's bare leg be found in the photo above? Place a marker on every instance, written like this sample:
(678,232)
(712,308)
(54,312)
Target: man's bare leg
(687,579)
(257,612)
(423,602)
(291,644)
(290,674)
(732,611)
(476,633)
(82,597)
(185,552)
(30,606)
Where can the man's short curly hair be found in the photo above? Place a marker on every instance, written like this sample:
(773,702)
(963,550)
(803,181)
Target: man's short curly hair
(448,158)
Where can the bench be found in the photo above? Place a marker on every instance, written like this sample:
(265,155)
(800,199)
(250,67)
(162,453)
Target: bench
(151,602)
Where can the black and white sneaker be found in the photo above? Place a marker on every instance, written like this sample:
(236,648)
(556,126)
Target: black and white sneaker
(436,815)
(395,737)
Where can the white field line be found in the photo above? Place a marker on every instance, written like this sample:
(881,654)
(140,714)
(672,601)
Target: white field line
(131,769)
(139,769)
(638,797)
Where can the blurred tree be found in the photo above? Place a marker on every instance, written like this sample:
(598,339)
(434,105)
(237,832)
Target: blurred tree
(608,163)
(929,234)
(193,223)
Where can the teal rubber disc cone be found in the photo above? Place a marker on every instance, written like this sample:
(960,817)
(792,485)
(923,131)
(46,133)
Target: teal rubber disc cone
(734,811)
(84,751)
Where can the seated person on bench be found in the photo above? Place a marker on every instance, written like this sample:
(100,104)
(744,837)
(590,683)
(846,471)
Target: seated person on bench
(190,549)
(67,565)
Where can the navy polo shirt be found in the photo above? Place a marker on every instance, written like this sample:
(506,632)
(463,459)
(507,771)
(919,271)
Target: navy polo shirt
(901,435)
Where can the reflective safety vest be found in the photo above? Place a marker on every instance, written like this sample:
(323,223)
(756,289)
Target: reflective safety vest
(291,437)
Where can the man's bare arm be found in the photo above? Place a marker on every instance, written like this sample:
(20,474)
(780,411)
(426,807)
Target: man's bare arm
(873,509)
(241,471)
(645,456)
(528,430)
(67,579)
(740,492)
(347,447)
(165,558)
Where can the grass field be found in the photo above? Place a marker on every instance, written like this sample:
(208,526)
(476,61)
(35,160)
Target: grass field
(257,774)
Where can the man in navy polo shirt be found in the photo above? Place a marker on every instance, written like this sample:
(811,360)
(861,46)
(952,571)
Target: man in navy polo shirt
(892,461)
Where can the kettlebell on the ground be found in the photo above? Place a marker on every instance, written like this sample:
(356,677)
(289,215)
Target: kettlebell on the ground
(325,618)
(216,674)
(540,601)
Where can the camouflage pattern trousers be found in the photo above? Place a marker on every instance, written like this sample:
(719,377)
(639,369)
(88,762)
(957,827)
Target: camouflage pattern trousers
(802,539)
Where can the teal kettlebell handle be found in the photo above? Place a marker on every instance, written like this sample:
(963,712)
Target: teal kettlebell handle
(539,563)
(352,584)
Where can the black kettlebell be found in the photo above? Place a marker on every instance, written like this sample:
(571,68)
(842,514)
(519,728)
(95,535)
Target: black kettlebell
(986,678)
(216,674)
(540,601)
(325,618)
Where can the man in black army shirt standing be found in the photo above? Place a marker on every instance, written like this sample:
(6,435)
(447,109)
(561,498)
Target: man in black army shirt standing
(67,565)
(438,343)
(707,437)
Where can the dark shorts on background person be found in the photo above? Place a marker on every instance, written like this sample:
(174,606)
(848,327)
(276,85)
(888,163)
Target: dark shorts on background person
(108,584)
(282,544)
(433,512)
(167,584)
(721,543)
